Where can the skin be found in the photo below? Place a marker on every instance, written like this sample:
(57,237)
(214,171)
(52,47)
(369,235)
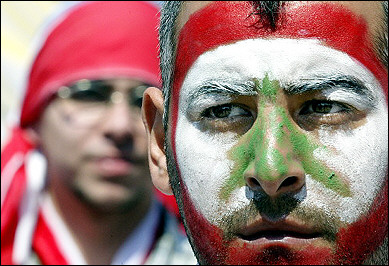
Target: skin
(275,163)
(88,175)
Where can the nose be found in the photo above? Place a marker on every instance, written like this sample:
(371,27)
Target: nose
(275,168)
(119,123)
(275,183)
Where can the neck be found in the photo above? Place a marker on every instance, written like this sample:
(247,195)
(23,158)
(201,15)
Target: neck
(98,234)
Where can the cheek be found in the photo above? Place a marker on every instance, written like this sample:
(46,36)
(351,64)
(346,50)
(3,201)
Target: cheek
(203,165)
(361,158)
(60,142)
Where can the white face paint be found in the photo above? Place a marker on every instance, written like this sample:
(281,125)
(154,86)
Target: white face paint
(359,153)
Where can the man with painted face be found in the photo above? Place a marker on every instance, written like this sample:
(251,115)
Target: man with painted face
(75,182)
(273,124)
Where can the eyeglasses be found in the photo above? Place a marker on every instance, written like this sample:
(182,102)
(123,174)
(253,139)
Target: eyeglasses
(86,102)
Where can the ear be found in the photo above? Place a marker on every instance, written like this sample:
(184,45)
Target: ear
(152,110)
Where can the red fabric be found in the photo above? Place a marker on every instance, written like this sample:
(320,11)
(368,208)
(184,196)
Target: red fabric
(169,201)
(18,144)
(10,216)
(69,54)
(92,40)
(45,245)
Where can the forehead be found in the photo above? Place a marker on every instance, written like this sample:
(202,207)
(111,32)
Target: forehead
(341,26)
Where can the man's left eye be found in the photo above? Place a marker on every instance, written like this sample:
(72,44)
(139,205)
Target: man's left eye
(322,107)
(316,113)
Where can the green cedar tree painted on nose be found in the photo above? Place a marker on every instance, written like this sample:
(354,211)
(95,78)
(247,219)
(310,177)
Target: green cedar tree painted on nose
(258,149)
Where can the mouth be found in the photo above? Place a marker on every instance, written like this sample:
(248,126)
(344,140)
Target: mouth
(279,235)
(284,231)
(113,166)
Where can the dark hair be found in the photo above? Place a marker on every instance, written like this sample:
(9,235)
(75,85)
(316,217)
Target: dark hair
(381,37)
(268,13)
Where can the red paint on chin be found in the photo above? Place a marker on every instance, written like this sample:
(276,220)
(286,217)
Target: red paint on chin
(353,244)
(214,249)
(278,255)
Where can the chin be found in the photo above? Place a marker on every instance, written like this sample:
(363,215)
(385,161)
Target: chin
(110,200)
(213,248)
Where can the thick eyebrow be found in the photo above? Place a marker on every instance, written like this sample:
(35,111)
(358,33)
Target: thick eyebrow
(223,87)
(342,82)
(346,83)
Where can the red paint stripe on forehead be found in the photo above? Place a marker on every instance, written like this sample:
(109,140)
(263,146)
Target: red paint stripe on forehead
(224,22)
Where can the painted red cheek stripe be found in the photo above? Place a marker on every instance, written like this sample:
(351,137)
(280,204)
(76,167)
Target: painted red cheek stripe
(224,22)
(363,237)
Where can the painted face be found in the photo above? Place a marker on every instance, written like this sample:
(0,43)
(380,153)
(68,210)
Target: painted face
(98,149)
(280,142)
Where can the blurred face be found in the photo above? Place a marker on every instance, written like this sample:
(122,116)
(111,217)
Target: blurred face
(94,140)
(280,138)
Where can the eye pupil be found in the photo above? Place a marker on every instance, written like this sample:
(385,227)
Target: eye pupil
(322,107)
(222,111)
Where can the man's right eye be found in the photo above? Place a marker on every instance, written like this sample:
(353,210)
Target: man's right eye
(226,111)
(230,117)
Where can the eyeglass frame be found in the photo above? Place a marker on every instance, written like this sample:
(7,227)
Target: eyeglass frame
(111,97)
(67,92)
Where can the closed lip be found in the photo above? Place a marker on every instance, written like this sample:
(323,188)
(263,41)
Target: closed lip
(112,166)
(280,230)
(118,157)
(99,159)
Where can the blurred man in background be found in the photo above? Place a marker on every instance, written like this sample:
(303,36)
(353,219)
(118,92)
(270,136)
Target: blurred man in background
(75,182)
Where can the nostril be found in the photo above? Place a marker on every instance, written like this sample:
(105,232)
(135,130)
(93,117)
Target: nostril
(121,140)
(288,181)
(253,183)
